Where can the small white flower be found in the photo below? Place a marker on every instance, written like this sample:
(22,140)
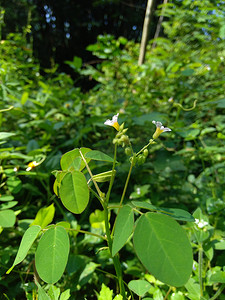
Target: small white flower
(138,191)
(159,129)
(201,223)
(31,165)
(113,122)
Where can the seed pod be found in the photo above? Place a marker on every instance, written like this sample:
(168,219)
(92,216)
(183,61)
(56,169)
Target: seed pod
(145,152)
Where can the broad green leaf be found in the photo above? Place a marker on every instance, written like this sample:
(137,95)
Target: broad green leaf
(14,184)
(218,277)
(72,160)
(74,192)
(105,293)
(59,176)
(97,219)
(52,251)
(54,292)
(7,218)
(6,198)
(27,241)
(44,216)
(8,205)
(163,248)
(98,155)
(176,213)
(64,224)
(87,273)
(65,295)
(220,245)
(193,289)
(139,287)
(42,295)
(103,177)
(6,135)
(123,228)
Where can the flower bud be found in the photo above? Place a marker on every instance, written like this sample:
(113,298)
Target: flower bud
(128,151)
(141,159)
(145,153)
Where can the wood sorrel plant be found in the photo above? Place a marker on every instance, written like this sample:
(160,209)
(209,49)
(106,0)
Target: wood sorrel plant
(159,241)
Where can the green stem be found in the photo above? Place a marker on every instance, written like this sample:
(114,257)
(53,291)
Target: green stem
(112,177)
(218,292)
(116,261)
(200,267)
(89,171)
(87,232)
(126,184)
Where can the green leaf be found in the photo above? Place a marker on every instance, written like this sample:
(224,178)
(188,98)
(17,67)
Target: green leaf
(218,277)
(54,292)
(74,192)
(105,293)
(103,177)
(139,287)
(6,135)
(98,155)
(44,216)
(7,218)
(72,160)
(8,205)
(65,295)
(163,248)
(193,289)
(97,219)
(123,228)
(87,273)
(52,251)
(176,213)
(27,241)
(6,198)
(42,295)
(14,184)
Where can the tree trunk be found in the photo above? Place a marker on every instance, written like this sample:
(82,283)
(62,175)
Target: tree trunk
(159,23)
(145,32)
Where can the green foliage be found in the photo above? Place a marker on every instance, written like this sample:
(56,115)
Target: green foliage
(163,248)
(123,228)
(180,177)
(52,251)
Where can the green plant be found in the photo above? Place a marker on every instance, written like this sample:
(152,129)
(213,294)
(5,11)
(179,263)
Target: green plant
(159,241)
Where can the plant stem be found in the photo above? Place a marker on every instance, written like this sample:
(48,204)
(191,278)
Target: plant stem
(126,184)
(87,232)
(218,292)
(112,177)
(200,266)
(116,261)
(89,171)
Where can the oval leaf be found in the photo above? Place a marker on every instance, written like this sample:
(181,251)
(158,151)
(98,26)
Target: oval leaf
(123,228)
(72,160)
(52,254)
(7,218)
(74,192)
(139,287)
(163,248)
(27,241)
(98,155)
(44,216)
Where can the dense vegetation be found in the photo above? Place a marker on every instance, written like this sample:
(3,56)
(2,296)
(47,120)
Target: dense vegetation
(42,117)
